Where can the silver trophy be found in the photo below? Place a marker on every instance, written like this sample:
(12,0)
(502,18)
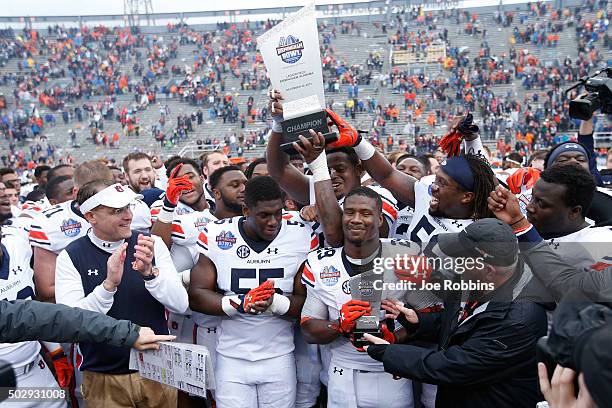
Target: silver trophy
(362,288)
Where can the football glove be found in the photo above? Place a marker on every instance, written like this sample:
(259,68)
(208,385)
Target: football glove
(523,179)
(176,186)
(451,142)
(387,334)
(350,312)
(348,136)
(63,369)
(259,294)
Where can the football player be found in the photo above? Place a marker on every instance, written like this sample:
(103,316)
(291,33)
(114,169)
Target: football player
(210,162)
(343,163)
(248,272)
(560,200)
(329,315)
(16,282)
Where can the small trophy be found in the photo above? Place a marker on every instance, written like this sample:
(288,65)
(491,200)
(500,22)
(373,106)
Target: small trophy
(362,288)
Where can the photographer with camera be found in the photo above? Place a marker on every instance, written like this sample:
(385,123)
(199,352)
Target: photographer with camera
(575,363)
(486,339)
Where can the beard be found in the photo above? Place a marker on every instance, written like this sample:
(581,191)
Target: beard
(232,205)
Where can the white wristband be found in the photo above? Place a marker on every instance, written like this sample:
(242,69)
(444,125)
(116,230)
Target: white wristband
(475,147)
(280,304)
(185,277)
(165,216)
(227,307)
(276,126)
(319,169)
(364,150)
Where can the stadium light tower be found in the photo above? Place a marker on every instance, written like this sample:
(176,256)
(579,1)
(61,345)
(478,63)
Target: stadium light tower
(133,9)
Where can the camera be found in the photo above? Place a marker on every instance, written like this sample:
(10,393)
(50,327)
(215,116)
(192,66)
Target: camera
(599,95)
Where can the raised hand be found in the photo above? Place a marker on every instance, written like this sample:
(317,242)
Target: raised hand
(114,268)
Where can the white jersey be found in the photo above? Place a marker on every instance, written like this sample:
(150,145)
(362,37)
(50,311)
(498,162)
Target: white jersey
(425,227)
(402,223)
(242,265)
(141,217)
(584,247)
(327,274)
(16,282)
(181,208)
(33,208)
(186,229)
(58,226)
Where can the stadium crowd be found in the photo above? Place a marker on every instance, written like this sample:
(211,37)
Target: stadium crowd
(269,263)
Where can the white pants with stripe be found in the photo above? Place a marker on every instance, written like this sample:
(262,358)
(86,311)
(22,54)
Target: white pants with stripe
(269,383)
(349,388)
(308,366)
(37,376)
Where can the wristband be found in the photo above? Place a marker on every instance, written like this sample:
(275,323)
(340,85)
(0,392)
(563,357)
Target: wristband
(364,150)
(517,221)
(521,230)
(319,169)
(276,126)
(185,277)
(165,215)
(280,304)
(475,147)
(227,307)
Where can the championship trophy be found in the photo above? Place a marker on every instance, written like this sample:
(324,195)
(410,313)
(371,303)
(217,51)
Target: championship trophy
(362,288)
(290,51)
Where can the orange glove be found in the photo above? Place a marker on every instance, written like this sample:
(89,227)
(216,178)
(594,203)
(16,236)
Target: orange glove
(176,185)
(259,294)
(350,312)
(451,142)
(523,179)
(63,369)
(348,135)
(387,334)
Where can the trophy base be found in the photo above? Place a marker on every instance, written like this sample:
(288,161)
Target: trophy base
(330,137)
(358,340)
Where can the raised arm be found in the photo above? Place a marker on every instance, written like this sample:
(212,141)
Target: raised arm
(328,209)
(287,176)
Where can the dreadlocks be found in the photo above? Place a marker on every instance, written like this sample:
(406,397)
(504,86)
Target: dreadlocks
(484,182)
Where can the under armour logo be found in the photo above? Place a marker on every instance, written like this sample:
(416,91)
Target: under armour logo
(554,244)
(106,244)
(273,251)
(211,330)
(119,188)
(456,223)
(338,370)
(92,272)
(18,269)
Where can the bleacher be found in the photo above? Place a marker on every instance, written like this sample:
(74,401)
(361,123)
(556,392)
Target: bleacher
(351,48)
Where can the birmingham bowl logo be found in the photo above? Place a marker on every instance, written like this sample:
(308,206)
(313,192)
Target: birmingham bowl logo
(290,49)
(71,228)
(225,240)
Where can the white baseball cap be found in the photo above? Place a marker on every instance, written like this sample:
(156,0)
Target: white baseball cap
(115,196)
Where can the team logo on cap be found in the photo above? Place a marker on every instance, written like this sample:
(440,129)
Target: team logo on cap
(71,228)
(290,49)
(329,276)
(243,251)
(225,240)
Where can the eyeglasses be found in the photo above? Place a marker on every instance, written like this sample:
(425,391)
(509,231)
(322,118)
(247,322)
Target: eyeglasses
(118,211)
